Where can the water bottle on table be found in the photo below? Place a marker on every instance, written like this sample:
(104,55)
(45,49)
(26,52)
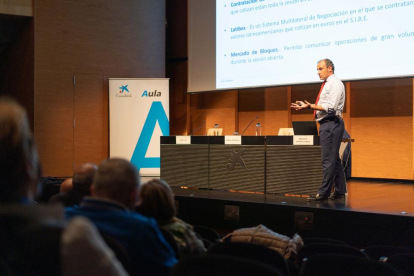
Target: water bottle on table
(258,129)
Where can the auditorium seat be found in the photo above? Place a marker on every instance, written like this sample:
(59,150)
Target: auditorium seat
(250,251)
(323,240)
(376,252)
(4,268)
(314,249)
(207,233)
(403,263)
(30,242)
(293,268)
(49,187)
(343,265)
(120,252)
(206,243)
(208,265)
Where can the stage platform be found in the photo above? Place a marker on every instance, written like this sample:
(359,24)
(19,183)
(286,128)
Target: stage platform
(374,212)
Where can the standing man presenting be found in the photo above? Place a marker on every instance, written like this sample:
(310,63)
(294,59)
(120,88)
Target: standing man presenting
(328,112)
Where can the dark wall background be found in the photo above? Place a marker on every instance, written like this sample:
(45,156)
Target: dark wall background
(17,60)
(91,40)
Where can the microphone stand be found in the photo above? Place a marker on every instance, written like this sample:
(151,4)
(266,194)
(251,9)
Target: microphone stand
(249,125)
(198,128)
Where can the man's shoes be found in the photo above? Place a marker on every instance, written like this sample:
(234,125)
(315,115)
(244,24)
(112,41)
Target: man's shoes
(335,196)
(317,198)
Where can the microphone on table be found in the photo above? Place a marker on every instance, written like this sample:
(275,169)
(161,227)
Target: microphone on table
(249,124)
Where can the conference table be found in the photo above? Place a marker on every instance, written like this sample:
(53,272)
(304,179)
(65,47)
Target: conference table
(262,164)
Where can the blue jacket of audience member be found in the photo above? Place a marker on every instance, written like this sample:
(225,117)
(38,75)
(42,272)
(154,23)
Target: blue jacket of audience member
(148,251)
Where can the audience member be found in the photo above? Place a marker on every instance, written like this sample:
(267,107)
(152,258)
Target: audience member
(81,186)
(114,193)
(156,200)
(31,235)
(19,164)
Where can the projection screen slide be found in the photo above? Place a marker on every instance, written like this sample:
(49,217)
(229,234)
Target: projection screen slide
(255,43)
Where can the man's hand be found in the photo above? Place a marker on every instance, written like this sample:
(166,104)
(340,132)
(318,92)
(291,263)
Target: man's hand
(299,105)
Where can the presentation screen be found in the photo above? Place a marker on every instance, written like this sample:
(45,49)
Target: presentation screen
(272,43)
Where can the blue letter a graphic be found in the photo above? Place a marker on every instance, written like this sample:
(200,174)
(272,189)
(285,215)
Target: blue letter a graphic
(156,113)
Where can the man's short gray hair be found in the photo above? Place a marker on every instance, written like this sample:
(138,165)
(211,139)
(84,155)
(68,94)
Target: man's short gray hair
(116,178)
(83,176)
(329,63)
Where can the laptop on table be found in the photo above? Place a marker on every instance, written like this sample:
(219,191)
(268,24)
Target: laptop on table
(305,128)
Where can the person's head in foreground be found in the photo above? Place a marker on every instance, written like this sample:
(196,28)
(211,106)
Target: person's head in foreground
(117,180)
(156,200)
(19,162)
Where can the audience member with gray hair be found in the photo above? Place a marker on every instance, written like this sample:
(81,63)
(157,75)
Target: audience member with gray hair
(114,193)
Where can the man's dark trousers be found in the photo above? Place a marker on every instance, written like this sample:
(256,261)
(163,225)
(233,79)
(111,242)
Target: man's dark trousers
(331,131)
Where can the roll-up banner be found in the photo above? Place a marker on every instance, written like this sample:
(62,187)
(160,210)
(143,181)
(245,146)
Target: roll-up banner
(138,116)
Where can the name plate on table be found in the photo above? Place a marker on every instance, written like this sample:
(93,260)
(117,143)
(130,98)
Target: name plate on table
(232,140)
(303,140)
(183,140)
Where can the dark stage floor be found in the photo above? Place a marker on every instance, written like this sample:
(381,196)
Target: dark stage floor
(363,196)
(374,212)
